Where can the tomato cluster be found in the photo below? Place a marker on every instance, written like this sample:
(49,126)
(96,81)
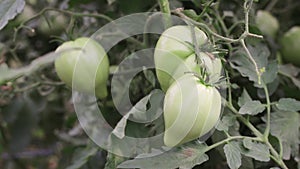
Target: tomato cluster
(191,107)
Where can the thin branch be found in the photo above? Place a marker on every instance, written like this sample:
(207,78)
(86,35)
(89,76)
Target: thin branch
(267,131)
(165,8)
(271,5)
(258,73)
(42,12)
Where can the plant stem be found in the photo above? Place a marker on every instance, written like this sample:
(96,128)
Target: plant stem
(223,26)
(229,89)
(165,8)
(271,5)
(228,140)
(247,7)
(196,46)
(252,60)
(29,87)
(245,121)
(267,131)
(277,157)
(73,14)
(207,29)
(22,25)
(205,9)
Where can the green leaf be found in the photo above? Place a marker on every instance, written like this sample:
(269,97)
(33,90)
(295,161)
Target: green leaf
(81,156)
(233,155)
(252,108)
(174,4)
(226,122)
(5,73)
(270,73)
(241,62)
(247,163)
(290,71)
(272,88)
(140,113)
(21,117)
(9,9)
(186,156)
(256,150)
(245,97)
(285,126)
(288,104)
(112,161)
(149,75)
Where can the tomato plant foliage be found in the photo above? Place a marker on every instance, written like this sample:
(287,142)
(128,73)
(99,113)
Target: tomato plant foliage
(219,86)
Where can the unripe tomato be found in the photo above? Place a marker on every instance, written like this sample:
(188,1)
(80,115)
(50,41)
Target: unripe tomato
(290,49)
(267,23)
(83,65)
(56,25)
(26,14)
(175,55)
(191,109)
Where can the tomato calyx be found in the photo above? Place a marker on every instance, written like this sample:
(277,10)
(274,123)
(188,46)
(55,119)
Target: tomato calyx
(204,79)
(201,79)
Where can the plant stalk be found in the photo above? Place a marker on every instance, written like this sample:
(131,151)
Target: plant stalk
(165,8)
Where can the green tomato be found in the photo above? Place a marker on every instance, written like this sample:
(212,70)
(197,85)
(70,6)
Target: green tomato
(174,55)
(290,49)
(191,110)
(267,23)
(56,25)
(26,14)
(83,65)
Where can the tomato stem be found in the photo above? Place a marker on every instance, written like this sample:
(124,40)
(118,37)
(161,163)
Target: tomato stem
(165,8)
(258,73)
(267,131)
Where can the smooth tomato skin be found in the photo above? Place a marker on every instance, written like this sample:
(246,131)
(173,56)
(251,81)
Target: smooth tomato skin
(191,110)
(57,24)
(290,49)
(83,65)
(174,54)
(267,23)
(26,14)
